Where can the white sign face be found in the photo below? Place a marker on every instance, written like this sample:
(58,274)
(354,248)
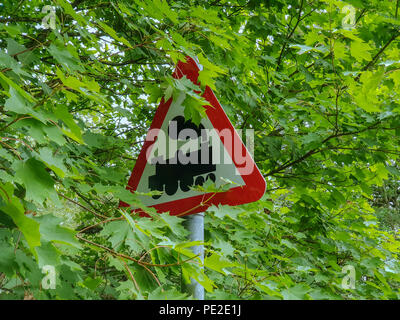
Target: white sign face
(184,162)
(179,155)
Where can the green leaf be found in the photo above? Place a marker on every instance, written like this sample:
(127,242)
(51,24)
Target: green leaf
(7,61)
(17,88)
(51,230)
(113,34)
(17,103)
(194,111)
(221,211)
(14,48)
(226,248)
(64,57)
(297,292)
(53,162)
(217,263)
(120,233)
(8,265)
(28,227)
(38,183)
(11,205)
(69,10)
(209,72)
(63,114)
(91,283)
(47,254)
(393,170)
(305,49)
(163,7)
(174,224)
(360,51)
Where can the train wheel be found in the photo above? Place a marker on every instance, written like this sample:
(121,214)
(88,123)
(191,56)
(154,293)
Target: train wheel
(171,187)
(199,181)
(212,177)
(157,196)
(186,183)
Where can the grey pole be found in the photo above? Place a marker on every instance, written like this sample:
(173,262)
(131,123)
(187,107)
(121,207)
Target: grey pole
(195,225)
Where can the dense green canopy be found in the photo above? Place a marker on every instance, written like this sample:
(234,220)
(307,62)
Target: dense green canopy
(318,81)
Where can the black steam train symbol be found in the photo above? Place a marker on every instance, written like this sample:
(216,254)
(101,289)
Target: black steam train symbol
(171,174)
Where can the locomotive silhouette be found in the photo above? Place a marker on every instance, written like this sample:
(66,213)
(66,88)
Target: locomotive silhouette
(171,174)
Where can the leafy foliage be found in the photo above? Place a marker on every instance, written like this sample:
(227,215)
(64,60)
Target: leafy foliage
(320,92)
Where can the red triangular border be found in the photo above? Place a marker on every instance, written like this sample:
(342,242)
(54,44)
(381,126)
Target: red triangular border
(255,185)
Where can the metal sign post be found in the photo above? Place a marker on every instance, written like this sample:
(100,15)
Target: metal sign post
(195,225)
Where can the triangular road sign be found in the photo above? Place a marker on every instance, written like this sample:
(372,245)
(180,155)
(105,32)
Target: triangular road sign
(213,150)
